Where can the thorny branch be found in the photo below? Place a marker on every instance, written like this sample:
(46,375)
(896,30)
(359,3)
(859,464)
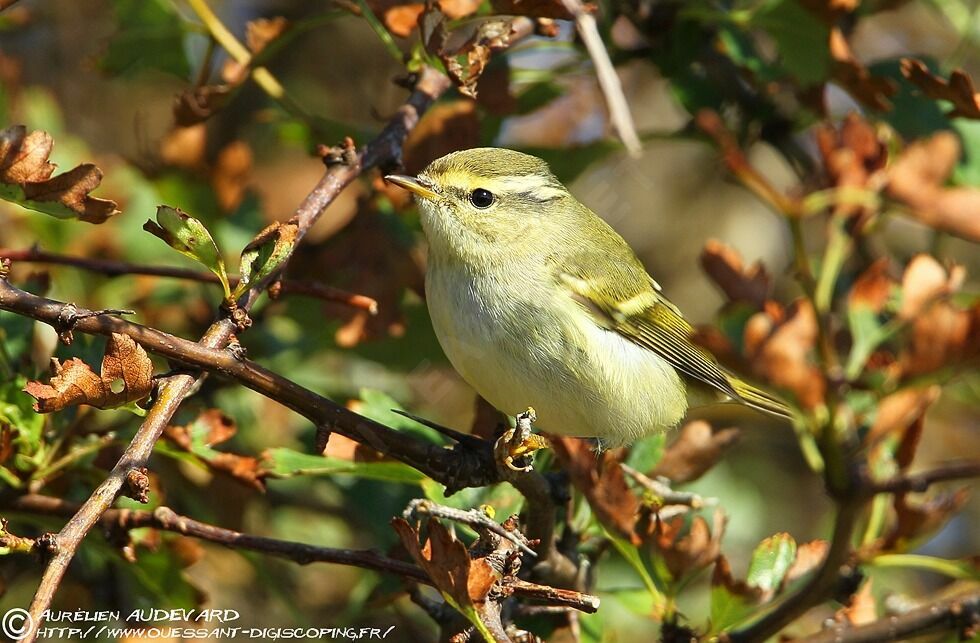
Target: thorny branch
(302,553)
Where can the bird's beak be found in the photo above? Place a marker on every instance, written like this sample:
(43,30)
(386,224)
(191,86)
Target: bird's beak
(412,184)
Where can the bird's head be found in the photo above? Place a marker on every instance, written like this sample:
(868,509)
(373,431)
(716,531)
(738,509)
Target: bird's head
(481,200)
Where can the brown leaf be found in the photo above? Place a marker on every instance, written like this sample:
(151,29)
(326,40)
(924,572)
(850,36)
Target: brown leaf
(260,32)
(447,562)
(126,377)
(456,9)
(601,480)
(244,468)
(809,556)
(873,288)
(958,90)
(221,427)
(184,147)
(915,520)
(231,173)
(198,104)
(739,283)
(780,351)
(900,410)
(401,20)
(853,157)
(723,577)
(873,91)
(942,336)
(465,62)
(536,8)
(695,451)
(24,163)
(683,553)
(925,281)
(918,178)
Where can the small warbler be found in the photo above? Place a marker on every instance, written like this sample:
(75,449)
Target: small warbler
(538,302)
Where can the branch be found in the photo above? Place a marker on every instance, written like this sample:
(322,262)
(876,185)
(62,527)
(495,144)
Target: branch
(958,614)
(112,268)
(612,89)
(918,482)
(385,149)
(166,519)
(464,466)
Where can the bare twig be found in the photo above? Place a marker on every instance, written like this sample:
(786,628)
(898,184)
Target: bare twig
(660,487)
(918,482)
(302,553)
(960,614)
(112,268)
(612,89)
(472,517)
(385,149)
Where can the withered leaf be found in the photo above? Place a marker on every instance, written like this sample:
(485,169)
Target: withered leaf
(873,287)
(918,179)
(915,520)
(260,32)
(873,91)
(900,410)
(695,451)
(602,481)
(861,609)
(26,179)
(198,104)
(924,282)
(231,173)
(683,553)
(447,562)
(126,377)
(739,283)
(465,62)
(853,157)
(958,90)
(780,351)
(809,556)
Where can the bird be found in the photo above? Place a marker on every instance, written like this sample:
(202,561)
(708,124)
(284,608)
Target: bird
(537,302)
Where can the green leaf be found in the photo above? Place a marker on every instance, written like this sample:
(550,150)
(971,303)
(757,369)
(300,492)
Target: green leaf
(266,253)
(967,172)
(17,412)
(376,405)
(188,236)
(631,555)
(646,453)
(149,36)
(801,37)
(729,608)
(770,562)
(282,462)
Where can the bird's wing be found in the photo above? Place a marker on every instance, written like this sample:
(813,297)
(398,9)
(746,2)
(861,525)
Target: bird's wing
(621,296)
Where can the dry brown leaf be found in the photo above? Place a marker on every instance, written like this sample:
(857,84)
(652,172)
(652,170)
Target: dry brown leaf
(24,165)
(464,62)
(198,104)
(723,577)
(260,32)
(739,283)
(809,556)
(918,178)
(126,377)
(899,411)
(873,287)
(696,449)
(849,73)
(853,156)
(780,351)
(184,147)
(231,173)
(683,553)
(447,562)
(942,336)
(958,90)
(401,20)
(926,281)
(917,520)
(602,481)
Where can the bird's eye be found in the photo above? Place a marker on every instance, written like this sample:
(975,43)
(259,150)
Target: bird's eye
(481,198)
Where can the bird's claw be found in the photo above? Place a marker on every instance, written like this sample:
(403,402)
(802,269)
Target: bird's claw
(516,447)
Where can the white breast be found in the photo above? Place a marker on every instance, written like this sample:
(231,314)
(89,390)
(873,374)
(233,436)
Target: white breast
(581,379)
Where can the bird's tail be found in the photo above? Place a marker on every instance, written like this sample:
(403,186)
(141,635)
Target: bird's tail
(759,399)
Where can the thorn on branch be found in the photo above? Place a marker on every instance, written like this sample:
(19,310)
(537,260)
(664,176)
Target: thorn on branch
(343,154)
(71,315)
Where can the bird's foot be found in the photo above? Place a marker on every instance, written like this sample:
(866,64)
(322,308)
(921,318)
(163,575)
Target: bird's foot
(516,447)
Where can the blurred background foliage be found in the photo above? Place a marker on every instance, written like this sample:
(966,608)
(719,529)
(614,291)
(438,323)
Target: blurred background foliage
(131,85)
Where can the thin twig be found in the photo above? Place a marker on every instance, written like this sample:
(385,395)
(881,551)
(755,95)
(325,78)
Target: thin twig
(386,148)
(918,482)
(473,517)
(660,487)
(302,553)
(111,268)
(612,89)
(960,614)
